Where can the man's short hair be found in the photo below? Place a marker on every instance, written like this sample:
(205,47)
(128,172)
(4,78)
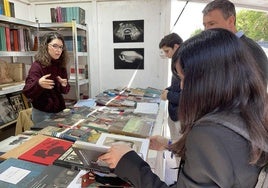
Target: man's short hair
(226,7)
(170,40)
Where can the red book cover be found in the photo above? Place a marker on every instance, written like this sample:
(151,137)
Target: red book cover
(47,151)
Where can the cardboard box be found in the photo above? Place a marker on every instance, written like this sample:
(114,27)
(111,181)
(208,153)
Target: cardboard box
(11,72)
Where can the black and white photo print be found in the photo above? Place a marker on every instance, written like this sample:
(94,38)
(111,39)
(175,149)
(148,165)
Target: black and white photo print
(128,31)
(129,58)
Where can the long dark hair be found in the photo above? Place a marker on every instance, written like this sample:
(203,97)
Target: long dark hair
(43,56)
(221,75)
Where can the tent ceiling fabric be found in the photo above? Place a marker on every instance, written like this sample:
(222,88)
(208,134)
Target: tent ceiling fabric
(252,4)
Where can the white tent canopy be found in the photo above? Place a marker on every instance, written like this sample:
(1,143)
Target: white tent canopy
(252,4)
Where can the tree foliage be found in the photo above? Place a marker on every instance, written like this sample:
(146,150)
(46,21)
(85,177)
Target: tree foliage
(197,31)
(253,23)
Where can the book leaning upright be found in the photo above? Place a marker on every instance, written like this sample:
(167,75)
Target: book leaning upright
(88,153)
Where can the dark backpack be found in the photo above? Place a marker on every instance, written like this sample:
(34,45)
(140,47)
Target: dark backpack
(263,175)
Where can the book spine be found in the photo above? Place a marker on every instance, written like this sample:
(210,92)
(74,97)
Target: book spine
(8,42)
(12,9)
(15,40)
(53,15)
(63,136)
(21,39)
(7,8)
(3,39)
(2,9)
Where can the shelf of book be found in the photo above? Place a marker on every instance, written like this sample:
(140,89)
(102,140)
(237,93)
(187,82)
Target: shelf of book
(76,41)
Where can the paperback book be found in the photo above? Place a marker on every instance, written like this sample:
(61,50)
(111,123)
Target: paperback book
(69,159)
(24,147)
(47,151)
(16,173)
(125,124)
(88,153)
(12,142)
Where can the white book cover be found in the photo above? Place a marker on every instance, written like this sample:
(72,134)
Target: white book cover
(12,142)
(139,145)
(146,108)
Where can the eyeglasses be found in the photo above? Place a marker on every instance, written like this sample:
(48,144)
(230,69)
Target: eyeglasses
(56,47)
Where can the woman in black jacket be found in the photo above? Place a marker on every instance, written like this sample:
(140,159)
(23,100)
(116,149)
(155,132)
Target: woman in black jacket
(219,79)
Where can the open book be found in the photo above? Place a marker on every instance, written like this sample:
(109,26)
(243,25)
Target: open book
(88,153)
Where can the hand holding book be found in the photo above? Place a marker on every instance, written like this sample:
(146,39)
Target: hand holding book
(114,154)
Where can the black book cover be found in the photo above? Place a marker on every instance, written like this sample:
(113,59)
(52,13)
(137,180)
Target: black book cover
(69,160)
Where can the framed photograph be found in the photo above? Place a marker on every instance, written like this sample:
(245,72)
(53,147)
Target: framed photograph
(128,31)
(128,58)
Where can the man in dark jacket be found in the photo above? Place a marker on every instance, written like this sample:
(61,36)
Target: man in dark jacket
(170,44)
(222,14)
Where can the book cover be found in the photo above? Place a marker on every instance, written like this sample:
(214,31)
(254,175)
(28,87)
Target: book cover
(78,133)
(49,130)
(139,145)
(133,126)
(17,151)
(16,101)
(12,142)
(88,153)
(69,159)
(47,151)
(85,102)
(7,113)
(124,123)
(16,173)
(54,176)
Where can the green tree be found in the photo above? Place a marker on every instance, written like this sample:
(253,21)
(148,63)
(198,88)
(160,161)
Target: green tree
(253,23)
(196,32)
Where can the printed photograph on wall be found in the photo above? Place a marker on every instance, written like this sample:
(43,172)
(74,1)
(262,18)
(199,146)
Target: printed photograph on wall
(128,31)
(129,58)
